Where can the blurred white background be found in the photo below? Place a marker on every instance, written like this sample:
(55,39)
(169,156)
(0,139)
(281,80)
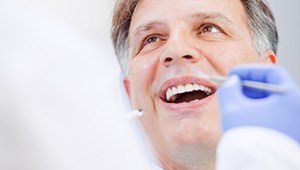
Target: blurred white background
(60,97)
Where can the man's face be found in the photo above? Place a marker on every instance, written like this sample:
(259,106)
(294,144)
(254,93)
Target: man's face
(172,43)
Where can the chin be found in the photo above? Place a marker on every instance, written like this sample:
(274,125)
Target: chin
(200,129)
(189,134)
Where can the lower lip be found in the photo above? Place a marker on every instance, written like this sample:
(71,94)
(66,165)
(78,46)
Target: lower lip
(187,106)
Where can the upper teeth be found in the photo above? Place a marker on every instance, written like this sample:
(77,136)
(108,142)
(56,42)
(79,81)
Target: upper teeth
(172,92)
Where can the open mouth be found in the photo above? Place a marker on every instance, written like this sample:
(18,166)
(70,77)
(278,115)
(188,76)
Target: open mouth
(187,93)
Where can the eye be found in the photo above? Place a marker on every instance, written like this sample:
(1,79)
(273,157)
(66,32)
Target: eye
(151,39)
(149,43)
(209,29)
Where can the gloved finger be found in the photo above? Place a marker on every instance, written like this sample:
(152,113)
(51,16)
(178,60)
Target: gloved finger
(253,72)
(230,89)
(267,73)
(231,99)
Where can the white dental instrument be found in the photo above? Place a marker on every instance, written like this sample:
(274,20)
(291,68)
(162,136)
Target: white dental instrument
(134,114)
(252,84)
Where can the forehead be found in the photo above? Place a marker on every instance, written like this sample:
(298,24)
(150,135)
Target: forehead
(172,11)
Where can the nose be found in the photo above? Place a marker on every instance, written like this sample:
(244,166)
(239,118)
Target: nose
(179,50)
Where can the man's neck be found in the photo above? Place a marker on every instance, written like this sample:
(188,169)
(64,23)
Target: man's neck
(198,166)
(190,162)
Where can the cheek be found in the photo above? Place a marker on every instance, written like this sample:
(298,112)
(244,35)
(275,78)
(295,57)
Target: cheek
(225,56)
(142,71)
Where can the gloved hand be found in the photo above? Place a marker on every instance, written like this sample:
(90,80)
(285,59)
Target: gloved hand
(244,106)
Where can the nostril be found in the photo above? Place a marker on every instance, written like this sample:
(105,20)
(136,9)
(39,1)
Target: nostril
(187,57)
(168,59)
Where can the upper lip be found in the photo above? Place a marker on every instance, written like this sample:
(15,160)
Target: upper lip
(182,81)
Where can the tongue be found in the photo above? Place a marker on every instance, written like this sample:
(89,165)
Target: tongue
(188,97)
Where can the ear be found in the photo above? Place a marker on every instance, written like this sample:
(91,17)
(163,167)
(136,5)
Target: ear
(268,57)
(126,83)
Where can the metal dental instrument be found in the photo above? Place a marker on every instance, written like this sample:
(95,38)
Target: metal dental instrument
(252,84)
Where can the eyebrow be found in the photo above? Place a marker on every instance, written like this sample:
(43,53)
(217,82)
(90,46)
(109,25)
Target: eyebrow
(201,16)
(211,16)
(216,17)
(146,27)
(140,30)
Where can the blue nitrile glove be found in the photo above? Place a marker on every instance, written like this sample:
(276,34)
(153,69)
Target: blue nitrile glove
(243,106)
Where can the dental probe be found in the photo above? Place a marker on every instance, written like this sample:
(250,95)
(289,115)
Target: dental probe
(253,84)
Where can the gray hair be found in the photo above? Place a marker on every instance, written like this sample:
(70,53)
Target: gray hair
(260,18)
(262,25)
